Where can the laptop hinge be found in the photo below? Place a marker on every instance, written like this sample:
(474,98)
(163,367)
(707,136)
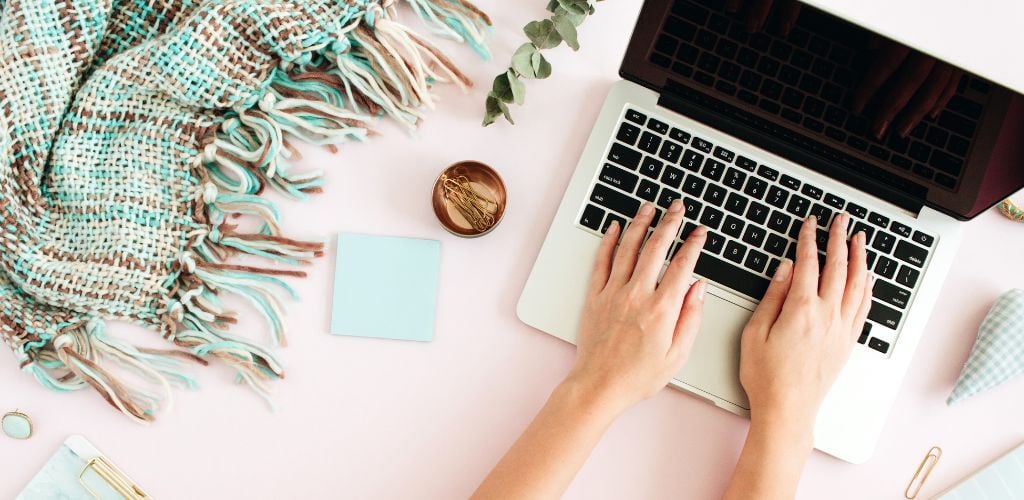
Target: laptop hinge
(794,146)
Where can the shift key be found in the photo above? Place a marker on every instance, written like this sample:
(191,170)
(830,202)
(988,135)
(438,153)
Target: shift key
(884,315)
(615,200)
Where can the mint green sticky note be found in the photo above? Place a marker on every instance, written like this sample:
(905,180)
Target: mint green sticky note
(385,287)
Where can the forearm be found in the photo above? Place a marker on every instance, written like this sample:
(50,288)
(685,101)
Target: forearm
(543,462)
(772,460)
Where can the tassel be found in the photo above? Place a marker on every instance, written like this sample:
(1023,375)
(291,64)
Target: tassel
(456,20)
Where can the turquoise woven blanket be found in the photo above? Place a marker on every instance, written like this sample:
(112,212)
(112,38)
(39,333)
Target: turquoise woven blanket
(133,135)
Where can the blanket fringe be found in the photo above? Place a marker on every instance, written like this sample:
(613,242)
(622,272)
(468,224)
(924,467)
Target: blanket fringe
(325,96)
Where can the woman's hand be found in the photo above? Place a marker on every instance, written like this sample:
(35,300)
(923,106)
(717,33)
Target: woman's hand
(635,333)
(802,333)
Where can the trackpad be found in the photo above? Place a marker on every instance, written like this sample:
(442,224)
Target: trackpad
(714,364)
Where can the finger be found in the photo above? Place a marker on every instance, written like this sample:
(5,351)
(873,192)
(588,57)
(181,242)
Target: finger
(863,309)
(954,82)
(629,246)
(676,281)
(856,277)
(789,11)
(924,101)
(771,304)
(603,260)
(652,259)
(889,59)
(905,84)
(805,272)
(688,325)
(833,279)
(757,14)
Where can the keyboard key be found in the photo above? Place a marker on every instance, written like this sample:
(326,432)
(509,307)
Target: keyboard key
(673,177)
(865,332)
(900,229)
(811,191)
(777,197)
(608,222)
(733,226)
(794,230)
(790,182)
(923,239)
(879,345)
(592,217)
(731,277)
(734,178)
(628,133)
(856,210)
(736,203)
(776,245)
(746,163)
(670,151)
(884,315)
(772,267)
(886,267)
(648,190)
(871,256)
(712,217)
(757,212)
(768,172)
(777,222)
(679,136)
(834,201)
(909,252)
(649,143)
(734,252)
(651,167)
(636,116)
(756,188)
(798,206)
(692,160)
(615,200)
(868,231)
(713,169)
(701,145)
(692,208)
(958,124)
(629,158)
(657,126)
(878,219)
(823,213)
(891,294)
(615,176)
(756,261)
(791,252)
(754,236)
(714,243)
(667,196)
(715,195)
(907,276)
(724,154)
(694,185)
(686,230)
(820,239)
(883,242)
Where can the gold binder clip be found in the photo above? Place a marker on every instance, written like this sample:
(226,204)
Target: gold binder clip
(924,470)
(113,477)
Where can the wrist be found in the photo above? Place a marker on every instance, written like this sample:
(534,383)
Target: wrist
(590,397)
(792,430)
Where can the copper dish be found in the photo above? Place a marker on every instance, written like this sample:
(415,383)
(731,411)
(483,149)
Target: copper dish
(485,181)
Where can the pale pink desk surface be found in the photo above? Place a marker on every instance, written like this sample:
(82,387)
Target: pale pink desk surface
(381,419)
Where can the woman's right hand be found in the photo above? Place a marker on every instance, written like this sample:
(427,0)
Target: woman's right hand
(802,333)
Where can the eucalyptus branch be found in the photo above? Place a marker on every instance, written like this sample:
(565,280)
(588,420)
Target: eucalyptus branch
(528,62)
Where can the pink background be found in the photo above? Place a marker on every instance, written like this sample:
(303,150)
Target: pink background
(383,419)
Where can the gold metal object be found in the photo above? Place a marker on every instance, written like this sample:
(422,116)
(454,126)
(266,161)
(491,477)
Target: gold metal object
(924,470)
(113,477)
(469,199)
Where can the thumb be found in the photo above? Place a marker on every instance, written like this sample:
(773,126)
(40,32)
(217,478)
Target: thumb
(688,325)
(771,305)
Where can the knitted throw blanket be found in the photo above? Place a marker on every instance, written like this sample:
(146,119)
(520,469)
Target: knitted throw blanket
(133,134)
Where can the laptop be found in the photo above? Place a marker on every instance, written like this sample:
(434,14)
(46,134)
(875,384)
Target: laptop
(754,131)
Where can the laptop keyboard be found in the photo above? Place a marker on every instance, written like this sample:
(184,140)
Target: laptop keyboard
(753,212)
(807,80)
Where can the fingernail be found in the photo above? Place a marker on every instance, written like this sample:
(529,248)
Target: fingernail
(647,209)
(676,206)
(846,220)
(614,226)
(782,272)
(862,237)
(702,286)
(881,129)
(700,231)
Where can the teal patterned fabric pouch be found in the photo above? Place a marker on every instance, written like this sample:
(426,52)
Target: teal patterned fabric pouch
(998,354)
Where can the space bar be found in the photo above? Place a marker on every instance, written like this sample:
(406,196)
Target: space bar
(731,277)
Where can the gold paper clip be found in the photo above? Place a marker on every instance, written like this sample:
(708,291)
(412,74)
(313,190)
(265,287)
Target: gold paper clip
(113,477)
(924,470)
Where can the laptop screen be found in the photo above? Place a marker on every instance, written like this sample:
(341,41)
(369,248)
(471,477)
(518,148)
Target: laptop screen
(836,97)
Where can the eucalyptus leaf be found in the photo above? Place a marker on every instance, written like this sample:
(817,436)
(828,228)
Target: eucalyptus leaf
(576,6)
(567,30)
(543,34)
(502,88)
(552,5)
(494,109)
(516,86)
(522,60)
(541,66)
(577,19)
